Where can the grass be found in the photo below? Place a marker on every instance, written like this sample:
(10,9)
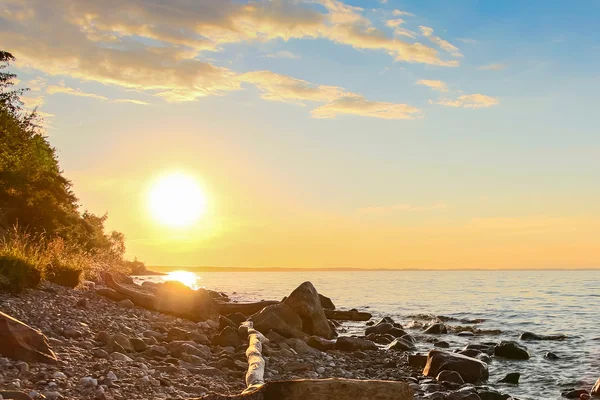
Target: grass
(26,259)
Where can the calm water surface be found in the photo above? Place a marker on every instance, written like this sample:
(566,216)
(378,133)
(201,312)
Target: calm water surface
(543,302)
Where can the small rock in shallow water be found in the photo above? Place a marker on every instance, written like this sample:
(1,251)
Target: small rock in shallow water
(437,329)
(512,378)
(550,356)
(574,394)
(511,350)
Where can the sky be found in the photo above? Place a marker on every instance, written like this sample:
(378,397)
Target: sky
(327,133)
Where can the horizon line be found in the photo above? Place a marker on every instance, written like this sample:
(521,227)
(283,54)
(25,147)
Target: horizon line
(341,269)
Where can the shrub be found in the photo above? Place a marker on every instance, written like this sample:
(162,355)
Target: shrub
(18,273)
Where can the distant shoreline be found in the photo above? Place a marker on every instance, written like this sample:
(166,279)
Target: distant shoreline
(162,270)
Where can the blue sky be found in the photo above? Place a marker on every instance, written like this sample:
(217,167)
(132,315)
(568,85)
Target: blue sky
(308,118)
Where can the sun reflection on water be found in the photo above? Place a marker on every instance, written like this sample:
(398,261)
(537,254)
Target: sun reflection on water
(187,278)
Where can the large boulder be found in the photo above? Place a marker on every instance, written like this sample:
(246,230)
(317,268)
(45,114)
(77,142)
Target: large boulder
(305,301)
(324,389)
(401,344)
(596,388)
(279,318)
(511,350)
(470,369)
(21,342)
(326,302)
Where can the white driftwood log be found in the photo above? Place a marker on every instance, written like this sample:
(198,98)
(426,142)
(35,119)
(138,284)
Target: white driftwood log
(256,362)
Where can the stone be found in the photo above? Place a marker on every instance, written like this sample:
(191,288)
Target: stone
(100,353)
(138,344)
(465,334)
(157,351)
(450,376)
(279,318)
(512,378)
(575,394)
(120,340)
(396,332)
(346,343)
(237,318)
(227,337)
(102,337)
(178,334)
(190,348)
(437,329)
(326,302)
(550,356)
(21,342)
(511,350)
(442,345)
(126,303)
(320,343)
(88,381)
(463,395)
(534,336)
(112,376)
(596,389)
(224,322)
(401,344)
(297,366)
(116,356)
(379,328)
(305,302)
(470,369)
(274,337)
(59,375)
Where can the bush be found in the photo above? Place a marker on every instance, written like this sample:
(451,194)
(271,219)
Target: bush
(18,273)
(64,275)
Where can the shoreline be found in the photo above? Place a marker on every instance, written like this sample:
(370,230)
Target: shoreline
(122,351)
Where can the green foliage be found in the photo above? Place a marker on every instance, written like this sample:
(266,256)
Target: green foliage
(61,243)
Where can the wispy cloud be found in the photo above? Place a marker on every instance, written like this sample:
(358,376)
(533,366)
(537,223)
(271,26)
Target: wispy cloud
(403,207)
(53,89)
(443,44)
(434,84)
(399,13)
(358,105)
(492,67)
(398,30)
(469,101)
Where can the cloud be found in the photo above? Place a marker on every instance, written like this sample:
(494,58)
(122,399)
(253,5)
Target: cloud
(73,92)
(492,67)
(443,44)
(399,13)
(436,85)
(398,31)
(277,87)
(283,54)
(385,210)
(358,105)
(78,92)
(469,101)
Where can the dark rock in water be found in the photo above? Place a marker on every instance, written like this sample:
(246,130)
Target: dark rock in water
(237,318)
(305,302)
(450,376)
(487,348)
(320,343)
(596,388)
(550,356)
(21,342)
(326,302)
(437,329)
(470,369)
(370,323)
(511,350)
(227,337)
(346,343)
(484,357)
(401,344)
(280,318)
(442,345)
(379,328)
(575,393)
(380,339)
(417,360)
(463,395)
(225,322)
(534,336)
(386,320)
(512,378)
(397,332)
(465,333)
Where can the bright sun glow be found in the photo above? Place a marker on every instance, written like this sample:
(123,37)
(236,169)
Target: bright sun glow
(187,278)
(177,200)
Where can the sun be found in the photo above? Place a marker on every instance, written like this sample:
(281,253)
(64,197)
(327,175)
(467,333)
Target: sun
(177,200)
